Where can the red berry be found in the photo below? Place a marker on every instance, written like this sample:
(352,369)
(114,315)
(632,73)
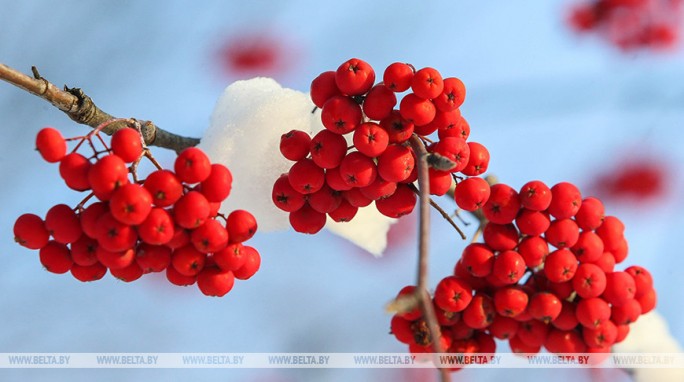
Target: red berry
(440,181)
(454,149)
(192,165)
(590,215)
(130,204)
(217,186)
(358,170)
(559,341)
(341,115)
(165,187)
(89,216)
(213,281)
(588,248)
(626,313)
(153,258)
(620,288)
(611,232)
(74,169)
(370,139)
(566,200)
(503,204)
(545,306)
(88,273)
(642,279)
(356,198)
(51,144)
(191,210)
(285,197)
(128,274)
(396,163)
(452,96)
(427,83)
(532,223)
(210,237)
(84,251)
(106,175)
(418,110)
(478,259)
(456,126)
(398,76)
(230,258)
(127,144)
(592,312)
(510,301)
(188,261)
(472,193)
(113,235)
(453,294)
(562,233)
(63,224)
(478,160)
(500,237)
(323,88)
(647,301)
(398,204)
(480,313)
(560,266)
(30,231)
(176,278)
(503,327)
(379,102)
(328,149)
(115,259)
(354,77)
(56,257)
(307,220)
(251,265)
(534,250)
(241,226)
(380,188)
(566,320)
(306,177)
(398,129)
(589,280)
(508,267)
(535,196)
(344,212)
(601,336)
(325,200)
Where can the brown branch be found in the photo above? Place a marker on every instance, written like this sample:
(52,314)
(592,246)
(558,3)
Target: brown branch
(81,108)
(421,291)
(441,212)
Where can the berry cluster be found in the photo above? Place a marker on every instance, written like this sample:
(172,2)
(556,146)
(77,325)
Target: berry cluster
(631,24)
(166,222)
(544,276)
(330,177)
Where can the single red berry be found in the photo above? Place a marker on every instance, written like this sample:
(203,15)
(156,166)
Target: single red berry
(440,181)
(508,267)
(188,261)
(74,169)
(210,237)
(642,279)
(307,220)
(88,273)
(606,262)
(503,204)
(30,231)
(478,160)
(231,257)
(128,274)
(562,233)
(106,175)
(398,128)
(241,226)
(130,204)
(612,232)
(560,266)
(535,196)
(592,312)
(418,110)
(354,77)
(478,259)
(647,301)
(325,200)
(427,83)
(164,187)
(306,177)
(452,96)
(398,204)
(627,313)
(356,198)
(601,336)
(413,314)
(503,327)
(84,251)
(456,126)
(153,258)
(217,186)
(89,216)
(380,188)
(620,288)
(51,144)
(328,149)
(113,235)
(63,224)
(115,259)
(480,313)
(127,144)
(500,237)
(358,170)
(454,149)
(294,145)
(453,294)
(251,265)
(533,332)
(401,329)
(192,165)
(191,210)
(562,341)
(370,139)
(534,250)
(510,301)
(472,193)
(213,281)
(396,163)
(379,102)
(591,214)
(344,212)
(544,306)
(398,76)
(179,279)
(285,197)
(532,223)
(518,346)
(341,115)
(56,257)
(566,320)
(323,88)
(588,248)
(565,201)
(589,280)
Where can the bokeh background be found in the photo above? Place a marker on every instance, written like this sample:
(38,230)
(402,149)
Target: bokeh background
(549,105)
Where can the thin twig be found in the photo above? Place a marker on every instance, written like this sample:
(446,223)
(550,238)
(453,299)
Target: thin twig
(423,254)
(441,212)
(80,108)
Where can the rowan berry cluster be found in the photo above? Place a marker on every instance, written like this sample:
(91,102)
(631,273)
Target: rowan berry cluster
(544,276)
(631,24)
(364,155)
(166,222)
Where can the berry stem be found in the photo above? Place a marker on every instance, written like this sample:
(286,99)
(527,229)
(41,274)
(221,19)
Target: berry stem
(441,211)
(421,291)
(81,108)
